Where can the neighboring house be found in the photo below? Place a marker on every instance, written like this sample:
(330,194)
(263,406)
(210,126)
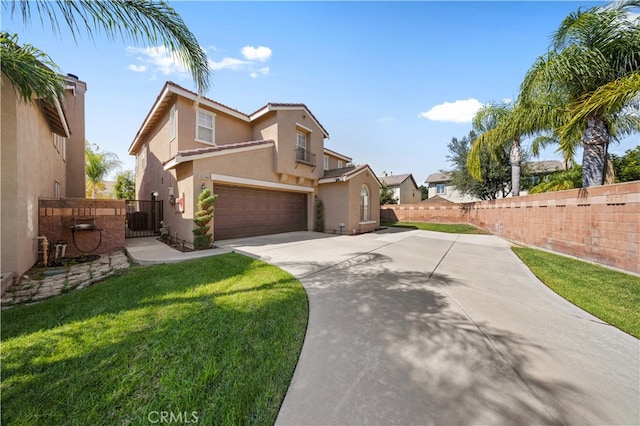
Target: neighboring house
(404,187)
(535,171)
(439,184)
(267,168)
(42,156)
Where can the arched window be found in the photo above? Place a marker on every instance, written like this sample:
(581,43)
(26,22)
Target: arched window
(365,207)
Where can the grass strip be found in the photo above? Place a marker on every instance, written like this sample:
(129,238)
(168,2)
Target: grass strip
(452,228)
(610,295)
(212,341)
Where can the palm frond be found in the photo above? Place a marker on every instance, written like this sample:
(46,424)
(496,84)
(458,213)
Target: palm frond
(30,71)
(606,101)
(140,20)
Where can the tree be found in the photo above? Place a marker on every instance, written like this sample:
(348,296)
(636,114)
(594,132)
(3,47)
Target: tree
(125,186)
(560,181)
(499,130)
(318,225)
(386,195)
(202,237)
(424,192)
(494,167)
(583,88)
(627,166)
(32,73)
(97,166)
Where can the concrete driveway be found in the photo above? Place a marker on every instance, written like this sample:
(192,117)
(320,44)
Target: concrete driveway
(419,328)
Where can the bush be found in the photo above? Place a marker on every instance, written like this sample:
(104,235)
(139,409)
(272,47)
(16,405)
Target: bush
(202,239)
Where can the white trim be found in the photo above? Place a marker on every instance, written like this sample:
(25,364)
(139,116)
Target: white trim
(182,159)
(63,118)
(259,183)
(212,128)
(367,222)
(305,128)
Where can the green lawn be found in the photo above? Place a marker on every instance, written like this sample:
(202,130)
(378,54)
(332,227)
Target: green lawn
(612,296)
(453,228)
(214,340)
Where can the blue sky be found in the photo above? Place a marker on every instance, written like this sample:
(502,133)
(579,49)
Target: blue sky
(392,82)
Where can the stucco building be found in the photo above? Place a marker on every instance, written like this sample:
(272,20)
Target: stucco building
(267,168)
(42,156)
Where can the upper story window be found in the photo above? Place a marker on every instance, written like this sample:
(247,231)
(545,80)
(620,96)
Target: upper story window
(340,164)
(172,123)
(326,162)
(301,140)
(142,158)
(56,189)
(204,126)
(440,188)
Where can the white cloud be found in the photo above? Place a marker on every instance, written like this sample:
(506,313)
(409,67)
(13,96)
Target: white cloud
(227,63)
(263,71)
(259,53)
(461,111)
(137,68)
(159,58)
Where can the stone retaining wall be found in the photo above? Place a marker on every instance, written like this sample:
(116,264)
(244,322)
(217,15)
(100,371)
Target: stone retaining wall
(33,288)
(600,224)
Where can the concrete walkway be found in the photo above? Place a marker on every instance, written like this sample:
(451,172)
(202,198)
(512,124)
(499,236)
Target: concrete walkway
(150,251)
(420,328)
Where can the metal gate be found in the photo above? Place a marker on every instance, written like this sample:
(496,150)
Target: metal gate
(143,218)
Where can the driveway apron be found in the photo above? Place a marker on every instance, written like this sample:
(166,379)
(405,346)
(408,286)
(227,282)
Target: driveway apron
(420,328)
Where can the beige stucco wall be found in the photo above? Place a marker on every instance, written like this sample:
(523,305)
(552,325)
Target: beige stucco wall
(73,104)
(30,164)
(286,145)
(334,162)
(227,129)
(409,194)
(342,204)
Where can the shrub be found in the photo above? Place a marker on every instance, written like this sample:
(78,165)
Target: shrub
(202,238)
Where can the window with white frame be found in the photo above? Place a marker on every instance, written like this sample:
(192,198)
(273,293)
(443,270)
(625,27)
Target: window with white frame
(340,164)
(301,140)
(56,189)
(204,126)
(365,207)
(326,162)
(440,188)
(172,123)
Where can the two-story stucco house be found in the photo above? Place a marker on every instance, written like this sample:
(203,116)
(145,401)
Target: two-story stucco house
(404,187)
(42,156)
(267,168)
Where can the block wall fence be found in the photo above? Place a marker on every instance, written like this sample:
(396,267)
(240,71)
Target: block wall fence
(56,217)
(600,224)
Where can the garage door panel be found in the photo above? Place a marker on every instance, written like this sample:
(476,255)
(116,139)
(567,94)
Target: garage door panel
(242,212)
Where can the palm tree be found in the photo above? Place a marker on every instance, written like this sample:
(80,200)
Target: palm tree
(98,165)
(499,129)
(583,88)
(32,73)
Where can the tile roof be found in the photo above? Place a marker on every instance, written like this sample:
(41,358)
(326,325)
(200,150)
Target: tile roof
(224,147)
(344,171)
(393,180)
(438,177)
(547,166)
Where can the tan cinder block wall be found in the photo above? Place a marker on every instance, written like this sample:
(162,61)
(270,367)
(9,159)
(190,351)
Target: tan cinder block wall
(56,219)
(600,224)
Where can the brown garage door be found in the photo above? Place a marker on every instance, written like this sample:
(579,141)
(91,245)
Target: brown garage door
(244,212)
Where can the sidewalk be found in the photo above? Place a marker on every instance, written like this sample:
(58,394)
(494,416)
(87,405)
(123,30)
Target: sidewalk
(150,251)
